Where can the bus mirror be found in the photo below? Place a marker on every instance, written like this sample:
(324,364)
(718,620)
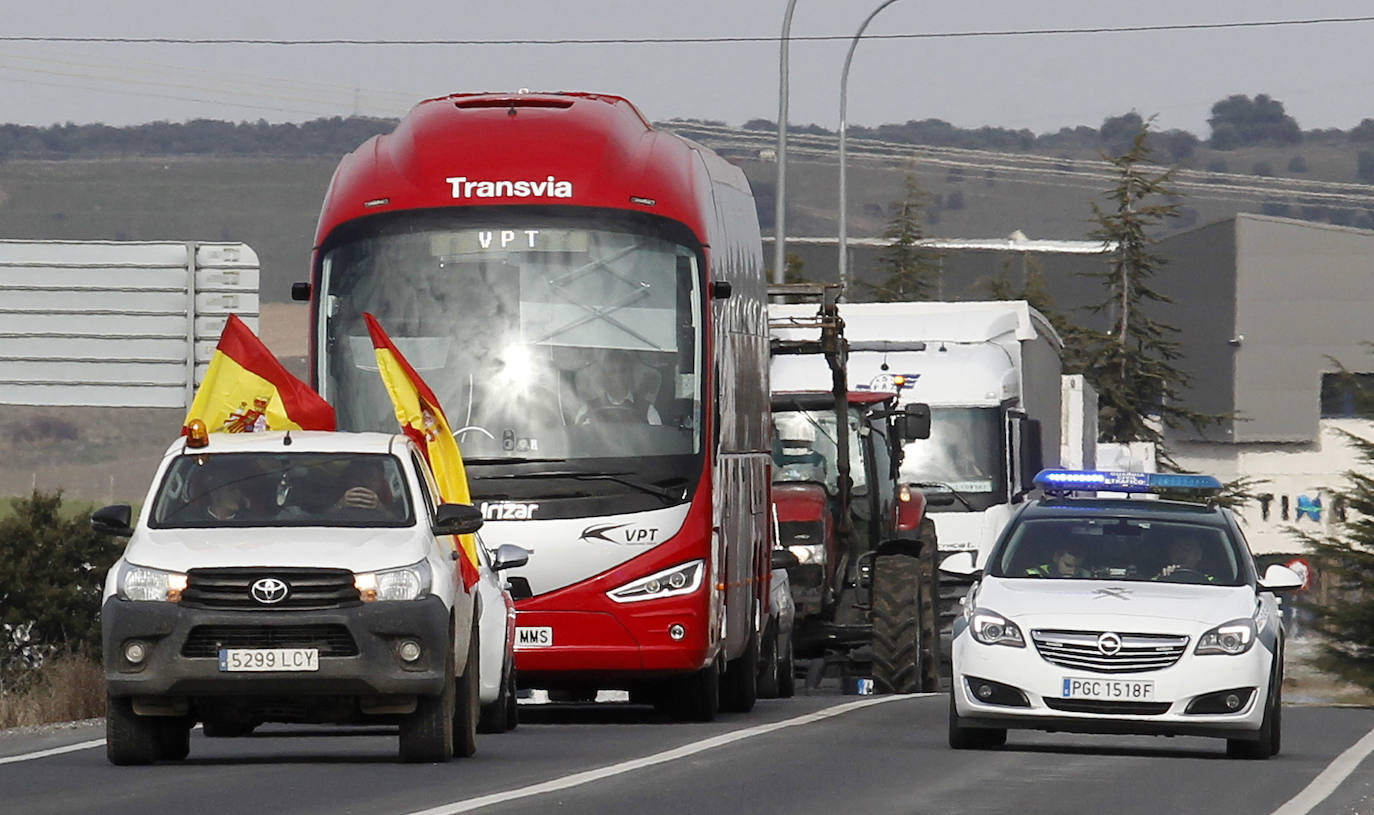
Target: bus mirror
(300,291)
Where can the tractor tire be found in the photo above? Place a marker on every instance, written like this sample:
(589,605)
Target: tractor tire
(934,667)
(897,646)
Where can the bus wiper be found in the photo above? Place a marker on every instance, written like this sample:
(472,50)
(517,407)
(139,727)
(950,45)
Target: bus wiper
(669,495)
(943,487)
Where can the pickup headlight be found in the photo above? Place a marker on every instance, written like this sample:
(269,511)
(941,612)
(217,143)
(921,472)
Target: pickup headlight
(673,582)
(144,584)
(407,583)
(991,628)
(1232,638)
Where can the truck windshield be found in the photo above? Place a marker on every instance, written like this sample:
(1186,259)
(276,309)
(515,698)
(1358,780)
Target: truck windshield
(276,489)
(964,451)
(556,336)
(804,448)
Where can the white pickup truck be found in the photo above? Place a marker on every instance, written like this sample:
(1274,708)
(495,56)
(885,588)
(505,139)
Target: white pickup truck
(301,577)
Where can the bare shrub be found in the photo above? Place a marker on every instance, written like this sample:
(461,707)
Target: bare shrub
(66,688)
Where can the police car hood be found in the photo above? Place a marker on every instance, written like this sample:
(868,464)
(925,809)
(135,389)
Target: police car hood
(354,548)
(1095,604)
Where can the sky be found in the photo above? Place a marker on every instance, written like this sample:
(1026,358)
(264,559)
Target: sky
(1323,73)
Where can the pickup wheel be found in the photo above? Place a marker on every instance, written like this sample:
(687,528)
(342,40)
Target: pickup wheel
(787,669)
(173,739)
(129,738)
(427,733)
(897,652)
(739,687)
(467,706)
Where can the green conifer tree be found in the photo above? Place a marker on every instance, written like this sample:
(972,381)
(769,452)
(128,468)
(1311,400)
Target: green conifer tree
(908,271)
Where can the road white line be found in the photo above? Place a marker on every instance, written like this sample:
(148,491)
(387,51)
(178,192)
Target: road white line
(56,751)
(1330,778)
(589,776)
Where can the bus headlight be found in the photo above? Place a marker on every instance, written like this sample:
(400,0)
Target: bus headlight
(674,582)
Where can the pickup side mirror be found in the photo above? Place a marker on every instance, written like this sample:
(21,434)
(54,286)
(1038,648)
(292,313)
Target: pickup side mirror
(1279,578)
(508,556)
(784,559)
(961,566)
(457,519)
(116,519)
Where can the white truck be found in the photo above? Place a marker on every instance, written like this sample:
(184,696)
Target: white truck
(991,373)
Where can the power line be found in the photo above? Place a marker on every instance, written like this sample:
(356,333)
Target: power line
(943,35)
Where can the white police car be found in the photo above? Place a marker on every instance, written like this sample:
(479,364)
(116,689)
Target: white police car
(301,577)
(1131,614)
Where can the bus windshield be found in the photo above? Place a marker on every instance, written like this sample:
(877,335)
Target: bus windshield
(562,336)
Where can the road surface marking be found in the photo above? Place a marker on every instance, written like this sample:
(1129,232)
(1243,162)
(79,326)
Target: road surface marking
(56,751)
(1330,778)
(577,779)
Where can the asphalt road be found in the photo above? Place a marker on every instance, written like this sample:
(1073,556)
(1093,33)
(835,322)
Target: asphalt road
(817,753)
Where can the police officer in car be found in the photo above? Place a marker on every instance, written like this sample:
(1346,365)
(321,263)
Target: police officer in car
(1067,561)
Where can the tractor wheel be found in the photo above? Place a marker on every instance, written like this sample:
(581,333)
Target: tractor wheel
(897,658)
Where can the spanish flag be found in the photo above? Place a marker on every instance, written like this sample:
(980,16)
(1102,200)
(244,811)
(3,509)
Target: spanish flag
(423,420)
(246,389)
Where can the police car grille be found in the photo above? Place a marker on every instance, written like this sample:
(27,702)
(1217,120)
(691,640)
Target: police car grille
(331,640)
(1109,708)
(231,588)
(1079,650)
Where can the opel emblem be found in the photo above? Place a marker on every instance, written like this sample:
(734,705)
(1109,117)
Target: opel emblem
(271,590)
(1109,644)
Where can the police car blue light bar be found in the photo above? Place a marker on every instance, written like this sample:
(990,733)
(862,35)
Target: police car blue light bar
(1072,480)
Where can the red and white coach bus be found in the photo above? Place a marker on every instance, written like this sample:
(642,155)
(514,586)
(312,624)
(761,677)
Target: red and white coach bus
(586,296)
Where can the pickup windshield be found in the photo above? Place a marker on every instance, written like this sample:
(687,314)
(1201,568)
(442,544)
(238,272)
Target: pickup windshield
(275,489)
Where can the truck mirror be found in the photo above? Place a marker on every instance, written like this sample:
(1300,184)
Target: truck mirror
(914,422)
(457,519)
(1032,453)
(113,520)
(300,291)
(961,566)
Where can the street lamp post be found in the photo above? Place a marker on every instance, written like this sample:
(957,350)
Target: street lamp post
(844,87)
(780,190)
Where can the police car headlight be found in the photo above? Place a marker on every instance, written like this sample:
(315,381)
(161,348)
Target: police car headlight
(673,582)
(407,583)
(140,583)
(991,628)
(1235,637)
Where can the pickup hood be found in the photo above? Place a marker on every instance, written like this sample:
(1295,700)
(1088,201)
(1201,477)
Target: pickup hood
(1112,604)
(360,550)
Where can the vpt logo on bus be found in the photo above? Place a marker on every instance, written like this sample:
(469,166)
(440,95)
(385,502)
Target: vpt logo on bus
(623,534)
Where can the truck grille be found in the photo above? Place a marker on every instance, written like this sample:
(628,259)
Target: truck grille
(231,589)
(1079,650)
(331,640)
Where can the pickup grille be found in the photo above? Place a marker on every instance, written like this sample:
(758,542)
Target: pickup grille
(231,589)
(331,640)
(1079,650)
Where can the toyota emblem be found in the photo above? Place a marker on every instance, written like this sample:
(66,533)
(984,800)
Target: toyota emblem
(1109,644)
(269,590)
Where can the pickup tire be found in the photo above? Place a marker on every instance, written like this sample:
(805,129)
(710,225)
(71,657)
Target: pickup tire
(173,738)
(467,707)
(770,665)
(787,669)
(130,739)
(427,734)
(897,647)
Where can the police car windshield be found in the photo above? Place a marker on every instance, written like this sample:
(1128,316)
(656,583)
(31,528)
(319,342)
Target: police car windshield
(1107,548)
(280,489)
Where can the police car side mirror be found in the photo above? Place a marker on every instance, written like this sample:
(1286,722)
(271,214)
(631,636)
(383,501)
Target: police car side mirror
(113,520)
(961,566)
(1279,578)
(457,519)
(508,556)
